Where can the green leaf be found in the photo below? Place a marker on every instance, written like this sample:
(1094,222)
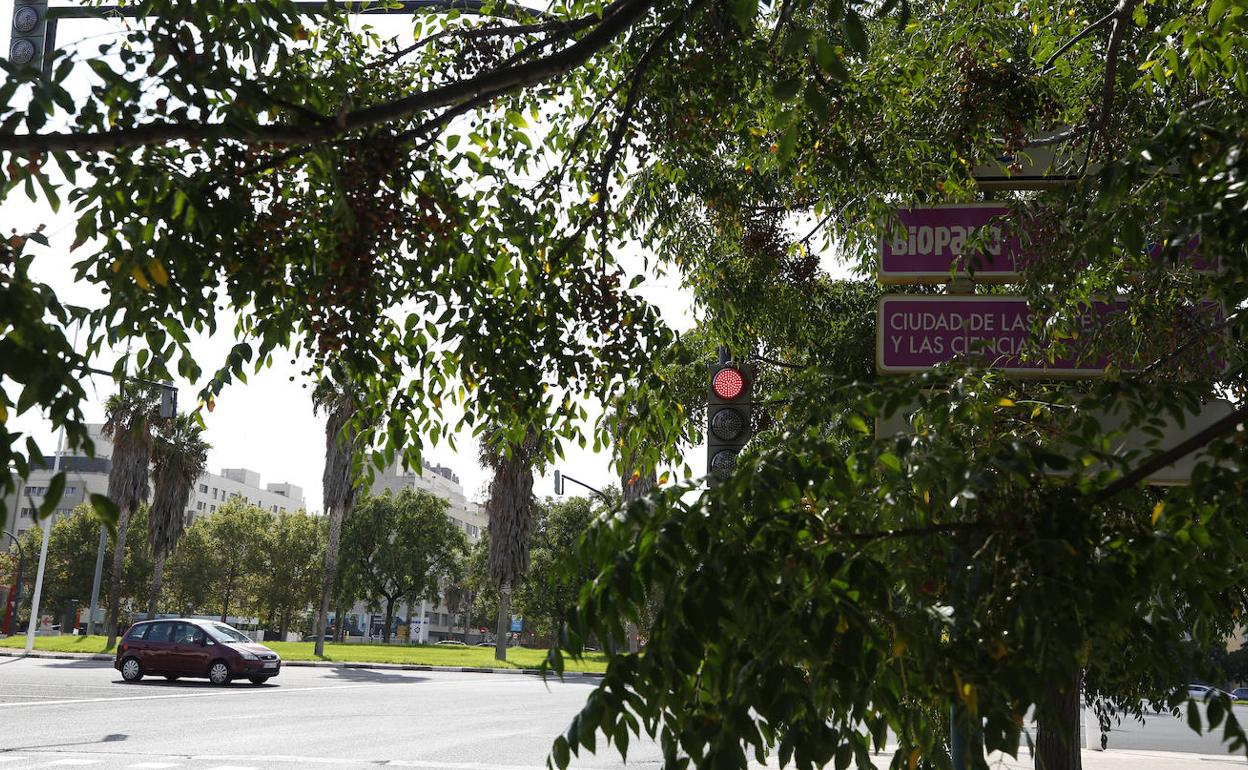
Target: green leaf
(855,32)
(744,12)
(516,119)
(787,89)
(105,510)
(56,488)
(890,460)
(560,752)
(787,144)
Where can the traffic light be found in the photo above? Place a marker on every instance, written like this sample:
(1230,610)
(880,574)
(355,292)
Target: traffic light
(728,415)
(168,401)
(27,38)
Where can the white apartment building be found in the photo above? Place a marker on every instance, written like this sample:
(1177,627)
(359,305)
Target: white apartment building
(213,490)
(85,476)
(467,515)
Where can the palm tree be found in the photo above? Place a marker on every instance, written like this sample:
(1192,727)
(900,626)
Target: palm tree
(130,415)
(179,457)
(510,508)
(339,485)
(635,483)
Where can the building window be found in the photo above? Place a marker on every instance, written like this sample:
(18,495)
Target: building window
(213,509)
(203,488)
(214,493)
(28,513)
(71,490)
(36,491)
(200,505)
(274,508)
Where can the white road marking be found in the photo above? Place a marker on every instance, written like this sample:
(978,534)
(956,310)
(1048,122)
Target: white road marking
(12,759)
(280,758)
(155,765)
(75,762)
(198,694)
(232,767)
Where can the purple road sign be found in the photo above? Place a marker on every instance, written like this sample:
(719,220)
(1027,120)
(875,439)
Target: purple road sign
(929,242)
(914,334)
(924,245)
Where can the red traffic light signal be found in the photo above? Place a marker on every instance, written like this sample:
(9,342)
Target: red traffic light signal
(728,383)
(729,407)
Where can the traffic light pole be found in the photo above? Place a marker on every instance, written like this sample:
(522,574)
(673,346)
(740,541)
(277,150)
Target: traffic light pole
(95,581)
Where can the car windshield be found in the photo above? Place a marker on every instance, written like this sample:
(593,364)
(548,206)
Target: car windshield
(223,633)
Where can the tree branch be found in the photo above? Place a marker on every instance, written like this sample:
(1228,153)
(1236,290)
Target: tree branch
(774,362)
(904,532)
(1220,428)
(1048,64)
(1121,16)
(495,81)
(616,140)
(564,28)
(1186,344)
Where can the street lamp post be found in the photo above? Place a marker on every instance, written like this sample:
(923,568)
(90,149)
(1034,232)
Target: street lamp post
(37,594)
(562,477)
(17,584)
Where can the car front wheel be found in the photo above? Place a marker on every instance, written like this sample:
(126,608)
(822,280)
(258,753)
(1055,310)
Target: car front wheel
(131,671)
(219,673)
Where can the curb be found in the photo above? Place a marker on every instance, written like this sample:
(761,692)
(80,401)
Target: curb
(5,653)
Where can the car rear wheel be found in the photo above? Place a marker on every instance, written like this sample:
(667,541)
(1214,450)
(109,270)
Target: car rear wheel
(131,671)
(258,679)
(219,672)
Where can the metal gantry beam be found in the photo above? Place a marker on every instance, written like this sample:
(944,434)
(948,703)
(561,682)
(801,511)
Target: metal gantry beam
(33,20)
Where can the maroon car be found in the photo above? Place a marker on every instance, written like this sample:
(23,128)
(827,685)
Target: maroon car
(195,648)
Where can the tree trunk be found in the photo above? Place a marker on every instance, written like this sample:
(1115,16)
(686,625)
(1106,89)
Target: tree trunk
(504,623)
(114,580)
(1057,739)
(158,576)
(225,600)
(283,625)
(385,630)
(327,580)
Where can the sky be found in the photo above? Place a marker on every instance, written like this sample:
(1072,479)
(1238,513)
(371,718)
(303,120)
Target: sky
(268,424)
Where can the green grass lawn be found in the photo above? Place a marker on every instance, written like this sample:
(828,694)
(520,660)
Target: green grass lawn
(421,655)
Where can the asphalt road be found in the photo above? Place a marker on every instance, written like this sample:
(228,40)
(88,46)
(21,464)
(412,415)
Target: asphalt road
(78,713)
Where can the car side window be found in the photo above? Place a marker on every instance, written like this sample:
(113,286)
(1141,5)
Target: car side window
(188,634)
(161,632)
(138,632)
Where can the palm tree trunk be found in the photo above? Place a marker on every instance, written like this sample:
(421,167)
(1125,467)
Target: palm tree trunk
(327,580)
(158,576)
(504,623)
(114,580)
(1057,740)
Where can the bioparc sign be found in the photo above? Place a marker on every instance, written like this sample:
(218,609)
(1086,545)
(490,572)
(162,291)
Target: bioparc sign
(916,333)
(933,244)
(928,244)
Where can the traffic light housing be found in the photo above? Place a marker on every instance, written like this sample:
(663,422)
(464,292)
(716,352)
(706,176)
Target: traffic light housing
(28,33)
(168,401)
(728,418)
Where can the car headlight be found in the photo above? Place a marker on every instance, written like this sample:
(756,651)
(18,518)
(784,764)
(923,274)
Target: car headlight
(247,655)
